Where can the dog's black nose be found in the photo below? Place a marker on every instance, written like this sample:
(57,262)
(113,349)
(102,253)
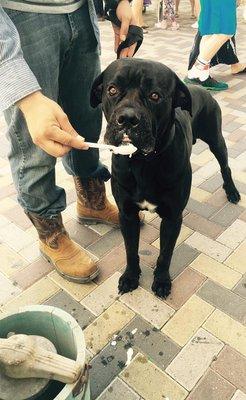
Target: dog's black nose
(128,117)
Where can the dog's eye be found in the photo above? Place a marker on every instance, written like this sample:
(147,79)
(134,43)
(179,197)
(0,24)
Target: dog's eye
(112,91)
(154,96)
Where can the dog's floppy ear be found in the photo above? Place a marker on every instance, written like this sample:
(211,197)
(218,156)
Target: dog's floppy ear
(182,96)
(96,91)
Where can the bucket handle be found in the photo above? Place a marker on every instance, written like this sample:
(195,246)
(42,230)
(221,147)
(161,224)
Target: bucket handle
(82,381)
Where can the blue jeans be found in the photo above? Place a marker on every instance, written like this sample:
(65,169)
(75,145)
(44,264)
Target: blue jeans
(63,52)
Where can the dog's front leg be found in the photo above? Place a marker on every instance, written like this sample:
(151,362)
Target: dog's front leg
(130,228)
(169,233)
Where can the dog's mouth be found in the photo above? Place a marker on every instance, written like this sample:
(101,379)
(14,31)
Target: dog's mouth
(125,140)
(141,138)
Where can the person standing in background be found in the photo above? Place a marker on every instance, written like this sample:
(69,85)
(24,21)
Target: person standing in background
(226,55)
(167,16)
(217,24)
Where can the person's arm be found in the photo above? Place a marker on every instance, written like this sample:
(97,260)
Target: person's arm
(47,123)
(16,78)
(125,15)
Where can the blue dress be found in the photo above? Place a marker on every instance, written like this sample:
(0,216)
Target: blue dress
(218,16)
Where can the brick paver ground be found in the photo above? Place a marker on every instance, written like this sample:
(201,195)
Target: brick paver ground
(191,346)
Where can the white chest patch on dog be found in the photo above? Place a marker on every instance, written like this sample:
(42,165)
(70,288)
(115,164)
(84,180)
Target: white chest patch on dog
(146,205)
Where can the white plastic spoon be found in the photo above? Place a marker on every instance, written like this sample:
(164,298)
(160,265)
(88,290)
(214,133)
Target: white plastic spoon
(124,149)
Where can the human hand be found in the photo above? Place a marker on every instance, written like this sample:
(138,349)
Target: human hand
(49,126)
(125,15)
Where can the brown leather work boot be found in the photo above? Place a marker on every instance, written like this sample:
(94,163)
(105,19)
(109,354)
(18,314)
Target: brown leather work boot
(92,203)
(68,258)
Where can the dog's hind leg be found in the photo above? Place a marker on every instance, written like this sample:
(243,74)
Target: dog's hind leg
(169,233)
(130,228)
(219,149)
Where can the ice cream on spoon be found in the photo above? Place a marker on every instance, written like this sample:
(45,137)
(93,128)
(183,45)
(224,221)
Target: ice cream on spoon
(125,149)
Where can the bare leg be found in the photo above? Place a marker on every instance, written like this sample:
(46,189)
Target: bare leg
(137,9)
(192,2)
(197,8)
(210,44)
(177,6)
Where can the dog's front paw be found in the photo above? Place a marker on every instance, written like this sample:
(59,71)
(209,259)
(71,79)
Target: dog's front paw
(162,288)
(232,194)
(127,283)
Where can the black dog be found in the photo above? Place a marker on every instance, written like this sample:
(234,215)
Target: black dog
(146,102)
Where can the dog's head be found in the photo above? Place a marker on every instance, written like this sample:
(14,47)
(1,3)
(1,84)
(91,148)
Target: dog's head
(139,98)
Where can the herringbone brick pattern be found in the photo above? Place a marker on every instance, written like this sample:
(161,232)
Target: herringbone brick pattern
(191,346)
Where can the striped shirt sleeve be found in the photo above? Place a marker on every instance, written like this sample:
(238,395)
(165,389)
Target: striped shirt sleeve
(16,78)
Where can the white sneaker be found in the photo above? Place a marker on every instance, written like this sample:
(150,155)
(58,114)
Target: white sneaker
(196,73)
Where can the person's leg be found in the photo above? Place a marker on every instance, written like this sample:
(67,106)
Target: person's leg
(177,7)
(192,3)
(45,40)
(197,8)
(137,9)
(209,46)
(33,170)
(80,68)
(78,72)
(169,15)
(236,66)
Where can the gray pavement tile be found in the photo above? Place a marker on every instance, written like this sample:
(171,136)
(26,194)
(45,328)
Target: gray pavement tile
(232,126)
(224,300)
(81,233)
(118,390)
(212,184)
(183,256)
(203,209)
(241,187)
(199,147)
(107,365)
(149,233)
(106,243)
(62,300)
(148,254)
(145,338)
(240,288)
(227,215)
